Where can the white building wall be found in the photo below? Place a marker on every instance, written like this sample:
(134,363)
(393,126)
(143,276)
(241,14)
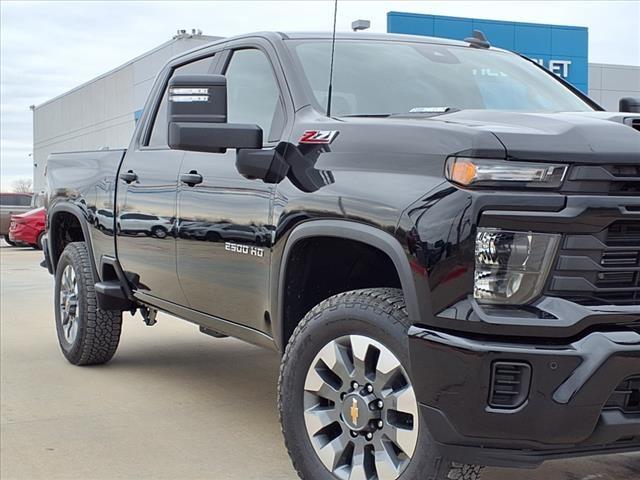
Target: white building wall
(101,112)
(609,83)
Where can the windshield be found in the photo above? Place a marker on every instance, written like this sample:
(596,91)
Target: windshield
(390,77)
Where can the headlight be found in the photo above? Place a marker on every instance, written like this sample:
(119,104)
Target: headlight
(495,173)
(511,267)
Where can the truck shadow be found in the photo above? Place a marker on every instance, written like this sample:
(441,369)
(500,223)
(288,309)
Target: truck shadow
(243,378)
(227,370)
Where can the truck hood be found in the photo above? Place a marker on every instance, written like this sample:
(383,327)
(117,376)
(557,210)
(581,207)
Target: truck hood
(589,137)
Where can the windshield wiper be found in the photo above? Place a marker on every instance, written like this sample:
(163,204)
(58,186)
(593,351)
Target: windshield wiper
(422,112)
(365,115)
(419,112)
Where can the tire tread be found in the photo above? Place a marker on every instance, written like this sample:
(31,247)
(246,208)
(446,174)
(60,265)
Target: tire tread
(389,301)
(103,327)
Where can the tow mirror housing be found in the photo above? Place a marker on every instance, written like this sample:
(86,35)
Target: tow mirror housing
(268,165)
(629,105)
(197,111)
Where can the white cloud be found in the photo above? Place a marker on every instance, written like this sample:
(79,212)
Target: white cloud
(47,48)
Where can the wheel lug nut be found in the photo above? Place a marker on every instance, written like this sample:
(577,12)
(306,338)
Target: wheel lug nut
(369,388)
(342,395)
(355,385)
(380,404)
(354,434)
(380,424)
(369,436)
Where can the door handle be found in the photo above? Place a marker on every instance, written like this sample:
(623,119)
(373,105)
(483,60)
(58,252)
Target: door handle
(129,176)
(192,178)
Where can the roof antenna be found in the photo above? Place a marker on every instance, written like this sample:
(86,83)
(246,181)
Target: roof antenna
(333,47)
(478,40)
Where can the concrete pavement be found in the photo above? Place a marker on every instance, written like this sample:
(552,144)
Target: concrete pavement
(172,404)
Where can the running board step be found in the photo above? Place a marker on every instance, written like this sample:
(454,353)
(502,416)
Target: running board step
(111,296)
(212,333)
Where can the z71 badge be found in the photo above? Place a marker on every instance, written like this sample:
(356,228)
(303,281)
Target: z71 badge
(318,137)
(244,249)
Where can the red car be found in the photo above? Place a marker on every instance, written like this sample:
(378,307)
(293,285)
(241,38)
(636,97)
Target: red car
(28,228)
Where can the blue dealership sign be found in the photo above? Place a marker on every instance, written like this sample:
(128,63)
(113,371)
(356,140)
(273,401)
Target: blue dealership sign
(560,48)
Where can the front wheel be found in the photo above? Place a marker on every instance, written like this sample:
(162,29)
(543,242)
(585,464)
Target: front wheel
(347,405)
(88,335)
(39,245)
(11,243)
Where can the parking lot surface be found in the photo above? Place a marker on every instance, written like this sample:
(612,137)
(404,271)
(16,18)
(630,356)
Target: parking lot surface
(172,404)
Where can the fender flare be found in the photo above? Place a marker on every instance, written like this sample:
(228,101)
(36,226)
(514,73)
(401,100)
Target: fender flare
(350,230)
(84,225)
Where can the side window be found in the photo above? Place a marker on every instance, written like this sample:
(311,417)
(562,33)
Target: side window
(15,200)
(252,93)
(158,137)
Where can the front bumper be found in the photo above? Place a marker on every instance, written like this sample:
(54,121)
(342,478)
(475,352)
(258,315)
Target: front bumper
(566,410)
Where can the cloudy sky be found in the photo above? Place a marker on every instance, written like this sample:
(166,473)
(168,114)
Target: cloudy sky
(46,48)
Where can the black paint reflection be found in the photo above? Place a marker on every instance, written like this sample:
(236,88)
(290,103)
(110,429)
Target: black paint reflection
(225,231)
(443,242)
(146,221)
(224,235)
(139,223)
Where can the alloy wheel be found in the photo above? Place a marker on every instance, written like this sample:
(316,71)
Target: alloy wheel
(360,410)
(69,311)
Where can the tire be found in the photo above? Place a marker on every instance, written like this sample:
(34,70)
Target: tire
(11,244)
(159,232)
(375,318)
(212,237)
(38,245)
(87,334)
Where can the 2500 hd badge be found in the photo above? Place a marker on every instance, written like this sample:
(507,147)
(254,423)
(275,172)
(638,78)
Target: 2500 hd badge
(244,249)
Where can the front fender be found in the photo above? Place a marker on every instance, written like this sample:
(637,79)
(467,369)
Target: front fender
(410,280)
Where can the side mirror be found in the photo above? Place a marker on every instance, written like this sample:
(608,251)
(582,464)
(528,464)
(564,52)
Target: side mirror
(197,111)
(629,105)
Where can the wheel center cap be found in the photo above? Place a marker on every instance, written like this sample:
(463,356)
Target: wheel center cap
(355,412)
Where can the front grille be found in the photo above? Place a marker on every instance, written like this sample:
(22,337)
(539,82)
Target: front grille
(620,180)
(626,396)
(601,268)
(624,233)
(612,259)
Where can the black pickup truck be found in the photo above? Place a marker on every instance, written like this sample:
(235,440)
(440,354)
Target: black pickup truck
(444,246)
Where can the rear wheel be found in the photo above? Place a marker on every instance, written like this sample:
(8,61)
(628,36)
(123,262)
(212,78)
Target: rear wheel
(347,405)
(87,334)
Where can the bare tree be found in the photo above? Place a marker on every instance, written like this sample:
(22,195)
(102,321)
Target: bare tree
(22,185)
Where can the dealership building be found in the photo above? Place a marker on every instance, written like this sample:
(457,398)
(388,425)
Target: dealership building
(102,113)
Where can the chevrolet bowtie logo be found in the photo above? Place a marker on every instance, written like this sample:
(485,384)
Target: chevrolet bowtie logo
(354,411)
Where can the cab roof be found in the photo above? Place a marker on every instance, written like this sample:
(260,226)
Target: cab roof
(370,36)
